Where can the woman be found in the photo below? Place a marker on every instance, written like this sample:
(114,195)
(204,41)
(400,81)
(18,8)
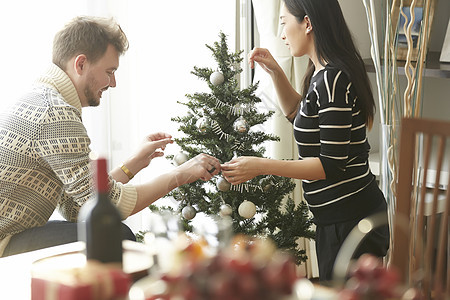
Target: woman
(330,122)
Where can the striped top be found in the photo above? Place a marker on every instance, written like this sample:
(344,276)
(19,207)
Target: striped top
(329,125)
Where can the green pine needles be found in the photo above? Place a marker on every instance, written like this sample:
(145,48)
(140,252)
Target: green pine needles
(223,123)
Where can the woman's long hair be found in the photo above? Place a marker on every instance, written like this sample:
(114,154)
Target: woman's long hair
(334,45)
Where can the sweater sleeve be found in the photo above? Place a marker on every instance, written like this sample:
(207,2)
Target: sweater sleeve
(335,122)
(123,196)
(64,147)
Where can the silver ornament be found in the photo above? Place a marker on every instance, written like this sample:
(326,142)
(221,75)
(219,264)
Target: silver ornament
(216,78)
(223,185)
(180,158)
(188,212)
(247,209)
(225,210)
(240,125)
(202,124)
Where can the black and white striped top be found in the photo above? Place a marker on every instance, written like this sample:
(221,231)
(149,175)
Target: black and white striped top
(329,125)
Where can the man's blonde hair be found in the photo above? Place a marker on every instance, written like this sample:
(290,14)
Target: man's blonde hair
(89,36)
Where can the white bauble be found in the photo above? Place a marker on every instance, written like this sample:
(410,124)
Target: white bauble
(240,125)
(202,124)
(247,209)
(216,78)
(223,185)
(188,212)
(180,158)
(225,210)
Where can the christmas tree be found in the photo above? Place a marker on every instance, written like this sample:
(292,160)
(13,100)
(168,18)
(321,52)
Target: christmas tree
(222,123)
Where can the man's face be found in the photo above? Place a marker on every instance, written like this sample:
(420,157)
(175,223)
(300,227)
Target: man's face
(100,76)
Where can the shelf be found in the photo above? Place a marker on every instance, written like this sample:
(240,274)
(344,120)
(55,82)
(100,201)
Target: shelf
(433,67)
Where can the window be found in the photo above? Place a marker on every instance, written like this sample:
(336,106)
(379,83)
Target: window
(167,39)
(166,42)
(27,29)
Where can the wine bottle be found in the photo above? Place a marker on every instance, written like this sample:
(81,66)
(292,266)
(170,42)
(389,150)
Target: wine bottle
(99,222)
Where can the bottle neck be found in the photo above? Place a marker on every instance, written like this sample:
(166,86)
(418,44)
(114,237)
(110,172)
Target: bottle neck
(101,177)
(102,196)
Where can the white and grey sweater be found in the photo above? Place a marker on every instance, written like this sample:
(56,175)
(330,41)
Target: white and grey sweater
(44,159)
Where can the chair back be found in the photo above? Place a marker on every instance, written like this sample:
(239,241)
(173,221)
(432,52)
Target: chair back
(420,243)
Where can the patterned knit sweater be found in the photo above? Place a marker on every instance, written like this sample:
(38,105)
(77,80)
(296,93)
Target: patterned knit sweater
(44,159)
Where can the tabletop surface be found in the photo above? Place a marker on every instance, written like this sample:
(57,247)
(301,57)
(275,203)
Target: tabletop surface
(15,270)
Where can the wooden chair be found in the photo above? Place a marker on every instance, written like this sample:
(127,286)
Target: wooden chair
(421,245)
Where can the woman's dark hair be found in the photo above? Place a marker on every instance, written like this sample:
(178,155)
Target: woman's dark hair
(334,45)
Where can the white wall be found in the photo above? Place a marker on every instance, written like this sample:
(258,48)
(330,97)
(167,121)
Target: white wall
(27,28)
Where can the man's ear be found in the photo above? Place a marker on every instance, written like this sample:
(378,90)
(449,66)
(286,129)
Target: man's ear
(80,63)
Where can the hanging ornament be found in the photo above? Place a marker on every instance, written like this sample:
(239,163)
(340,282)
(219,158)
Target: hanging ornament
(225,210)
(223,185)
(188,212)
(240,125)
(247,209)
(203,124)
(238,109)
(180,158)
(267,187)
(216,78)
(266,184)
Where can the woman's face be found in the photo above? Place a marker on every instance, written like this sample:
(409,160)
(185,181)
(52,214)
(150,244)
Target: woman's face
(297,36)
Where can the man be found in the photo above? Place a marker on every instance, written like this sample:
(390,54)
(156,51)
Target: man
(44,146)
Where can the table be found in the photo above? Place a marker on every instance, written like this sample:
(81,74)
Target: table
(15,270)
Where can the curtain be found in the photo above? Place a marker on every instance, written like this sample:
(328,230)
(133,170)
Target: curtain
(267,14)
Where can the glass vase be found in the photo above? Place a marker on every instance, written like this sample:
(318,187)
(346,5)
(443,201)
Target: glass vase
(389,144)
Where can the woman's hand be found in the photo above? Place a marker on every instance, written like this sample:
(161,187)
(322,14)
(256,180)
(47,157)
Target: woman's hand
(242,169)
(288,98)
(263,57)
